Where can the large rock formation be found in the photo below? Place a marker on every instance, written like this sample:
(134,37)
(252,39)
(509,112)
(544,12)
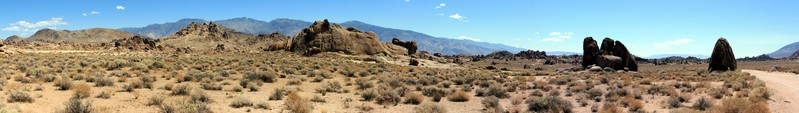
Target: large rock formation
(94,35)
(722,59)
(211,36)
(613,54)
(135,43)
(590,50)
(323,37)
(607,47)
(410,45)
(532,54)
(627,59)
(13,39)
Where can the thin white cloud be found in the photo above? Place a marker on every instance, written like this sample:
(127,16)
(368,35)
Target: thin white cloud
(24,27)
(468,38)
(557,36)
(12,28)
(442,5)
(407,0)
(120,7)
(90,13)
(458,17)
(46,23)
(551,40)
(669,43)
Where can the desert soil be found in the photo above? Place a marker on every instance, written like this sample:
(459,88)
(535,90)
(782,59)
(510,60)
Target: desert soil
(785,88)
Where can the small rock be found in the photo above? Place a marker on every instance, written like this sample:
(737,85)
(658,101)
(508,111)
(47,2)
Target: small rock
(595,68)
(414,62)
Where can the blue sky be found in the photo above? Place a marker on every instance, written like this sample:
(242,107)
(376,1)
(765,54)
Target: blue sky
(647,27)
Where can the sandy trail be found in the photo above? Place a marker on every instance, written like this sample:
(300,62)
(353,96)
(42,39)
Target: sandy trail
(785,88)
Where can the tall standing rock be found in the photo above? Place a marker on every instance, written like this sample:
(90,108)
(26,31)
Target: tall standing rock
(590,50)
(722,58)
(627,59)
(607,47)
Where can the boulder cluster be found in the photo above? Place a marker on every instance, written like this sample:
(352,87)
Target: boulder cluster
(722,58)
(321,36)
(613,55)
(135,43)
(532,54)
(410,45)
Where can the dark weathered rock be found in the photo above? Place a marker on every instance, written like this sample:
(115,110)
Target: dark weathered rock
(590,50)
(722,59)
(135,43)
(322,37)
(220,47)
(608,61)
(532,54)
(410,45)
(795,54)
(627,59)
(414,62)
(607,47)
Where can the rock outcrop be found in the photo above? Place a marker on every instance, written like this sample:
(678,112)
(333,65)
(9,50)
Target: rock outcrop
(410,45)
(532,54)
(13,39)
(321,36)
(722,59)
(94,35)
(795,54)
(590,50)
(613,55)
(135,43)
(627,59)
(214,37)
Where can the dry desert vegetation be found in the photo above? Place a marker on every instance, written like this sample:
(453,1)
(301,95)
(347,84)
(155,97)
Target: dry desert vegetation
(327,68)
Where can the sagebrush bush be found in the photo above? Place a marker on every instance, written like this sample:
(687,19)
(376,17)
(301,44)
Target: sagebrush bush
(104,81)
(19,95)
(368,94)
(413,98)
(740,105)
(430,108)
(75,105)
(549,104)
(240,102)
(156,100)
(702,104)
(277,94)
(459,96)
(64,83)
(491,105)
(181,89)
(82,91)
(262,76)
(297,104)
(387,96)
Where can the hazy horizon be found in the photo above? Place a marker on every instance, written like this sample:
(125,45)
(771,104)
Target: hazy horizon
(646,27)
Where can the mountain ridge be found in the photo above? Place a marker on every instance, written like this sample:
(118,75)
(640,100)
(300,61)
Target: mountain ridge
(785,51)
(291,27)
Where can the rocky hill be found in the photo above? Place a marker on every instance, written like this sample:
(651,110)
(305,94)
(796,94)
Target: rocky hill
(94,35)
(292,27)
(13,39)
(321,36)
(785,51)
(212,36)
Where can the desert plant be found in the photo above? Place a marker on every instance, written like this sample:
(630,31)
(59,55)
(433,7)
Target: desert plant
(459,96)
(701,104)
(156,100)
(491,105)
(368,94)
(549,104)
(240,102)
(262,76)
(430,108)
(297,104)
(82,91)
(104,81)
(64,83)
(19,95)
(199,95)
(75,105)
(674,102)
(277,94)
(413,98)
(181,89)
(387,96)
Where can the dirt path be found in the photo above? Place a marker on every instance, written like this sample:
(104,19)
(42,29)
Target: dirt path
(785,88)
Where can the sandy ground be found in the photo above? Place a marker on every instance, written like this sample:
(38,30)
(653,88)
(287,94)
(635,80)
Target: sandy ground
(785,88)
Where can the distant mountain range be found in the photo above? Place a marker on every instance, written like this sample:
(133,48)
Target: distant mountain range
(659,56)
(291,27)
(785,51)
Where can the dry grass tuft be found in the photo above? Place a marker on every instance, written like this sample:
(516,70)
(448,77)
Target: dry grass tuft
(297,104)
